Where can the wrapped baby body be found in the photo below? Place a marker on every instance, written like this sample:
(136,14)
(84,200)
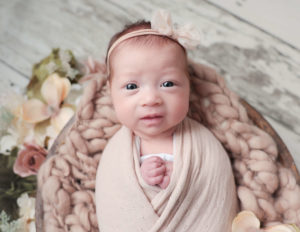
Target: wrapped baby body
(201,193)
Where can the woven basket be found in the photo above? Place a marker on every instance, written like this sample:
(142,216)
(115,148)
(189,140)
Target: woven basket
(284,158)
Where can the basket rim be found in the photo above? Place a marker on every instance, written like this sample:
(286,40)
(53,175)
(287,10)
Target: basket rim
(284,155)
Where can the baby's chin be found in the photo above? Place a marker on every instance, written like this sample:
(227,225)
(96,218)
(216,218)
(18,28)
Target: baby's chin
(151,133)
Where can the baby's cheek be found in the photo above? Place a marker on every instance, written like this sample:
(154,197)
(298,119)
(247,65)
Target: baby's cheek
(181,109)
(123,114)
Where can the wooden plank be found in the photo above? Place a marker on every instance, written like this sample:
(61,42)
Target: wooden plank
(291,140)
(279,17)
(11,78)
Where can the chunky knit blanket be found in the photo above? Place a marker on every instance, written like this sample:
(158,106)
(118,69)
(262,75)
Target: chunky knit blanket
(67,180)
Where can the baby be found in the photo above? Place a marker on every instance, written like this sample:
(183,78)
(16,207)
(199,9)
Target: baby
(162,171)
(150,90)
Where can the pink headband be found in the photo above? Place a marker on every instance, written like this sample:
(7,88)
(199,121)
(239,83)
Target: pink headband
(161,25)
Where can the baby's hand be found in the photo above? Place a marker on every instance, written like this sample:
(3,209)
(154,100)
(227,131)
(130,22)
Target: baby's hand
(156,172)
(153,170)
(166,180)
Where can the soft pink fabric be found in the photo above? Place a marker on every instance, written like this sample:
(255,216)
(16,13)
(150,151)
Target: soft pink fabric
(191,202)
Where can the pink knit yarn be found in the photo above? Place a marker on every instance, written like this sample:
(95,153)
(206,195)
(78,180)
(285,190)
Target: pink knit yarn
(67,180)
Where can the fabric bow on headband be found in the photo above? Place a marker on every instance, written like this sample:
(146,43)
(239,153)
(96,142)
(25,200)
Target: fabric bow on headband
(186,35)
(161,24)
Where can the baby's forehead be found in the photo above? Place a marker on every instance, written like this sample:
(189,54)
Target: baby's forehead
(166,50)
(149,41)
(154,53)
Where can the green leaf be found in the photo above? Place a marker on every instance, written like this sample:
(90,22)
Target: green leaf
(6,225)
(5,119)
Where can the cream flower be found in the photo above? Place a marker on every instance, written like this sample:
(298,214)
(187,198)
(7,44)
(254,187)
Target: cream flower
(27,212)
(6,143)
(16,134)
(247,221)
(186,35)
(54,90)
(27,206)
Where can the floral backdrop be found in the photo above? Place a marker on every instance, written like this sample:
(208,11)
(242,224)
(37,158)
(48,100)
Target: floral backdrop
(30,120)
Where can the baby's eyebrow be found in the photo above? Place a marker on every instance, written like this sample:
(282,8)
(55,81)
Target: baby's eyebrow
(172,70)
(129,73)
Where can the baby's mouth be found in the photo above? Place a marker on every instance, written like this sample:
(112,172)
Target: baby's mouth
(152,116)
(152,119)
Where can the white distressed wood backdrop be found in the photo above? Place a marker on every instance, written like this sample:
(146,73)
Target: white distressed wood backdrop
(254,44)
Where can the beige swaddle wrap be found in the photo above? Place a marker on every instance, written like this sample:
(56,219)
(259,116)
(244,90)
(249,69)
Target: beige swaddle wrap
(201,193)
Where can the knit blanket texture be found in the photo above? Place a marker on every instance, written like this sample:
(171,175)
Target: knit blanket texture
(67,179)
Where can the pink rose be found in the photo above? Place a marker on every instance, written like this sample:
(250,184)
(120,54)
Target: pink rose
(29,160)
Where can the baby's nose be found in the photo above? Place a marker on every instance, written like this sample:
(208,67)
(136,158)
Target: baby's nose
(151,98)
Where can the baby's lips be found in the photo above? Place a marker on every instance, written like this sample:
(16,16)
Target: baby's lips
(152,116)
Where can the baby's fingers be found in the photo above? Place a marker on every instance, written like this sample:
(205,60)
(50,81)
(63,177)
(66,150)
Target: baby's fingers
(153,162)
(155,180)
(169,168)
(157,171)
(165,182)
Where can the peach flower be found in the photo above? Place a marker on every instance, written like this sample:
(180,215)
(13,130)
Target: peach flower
(29,160)
(54,90)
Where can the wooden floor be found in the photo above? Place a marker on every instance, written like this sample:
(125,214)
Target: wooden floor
(254,45)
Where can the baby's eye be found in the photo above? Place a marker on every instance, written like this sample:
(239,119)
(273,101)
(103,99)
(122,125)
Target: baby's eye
(131,86)
(168,84)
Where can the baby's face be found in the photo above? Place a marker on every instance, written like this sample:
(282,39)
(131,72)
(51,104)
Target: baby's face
(150,88)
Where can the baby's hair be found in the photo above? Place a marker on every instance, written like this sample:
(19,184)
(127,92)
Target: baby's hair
(143,39)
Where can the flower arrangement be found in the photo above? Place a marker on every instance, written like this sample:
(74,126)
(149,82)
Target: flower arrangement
(247,221)
(29,123)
